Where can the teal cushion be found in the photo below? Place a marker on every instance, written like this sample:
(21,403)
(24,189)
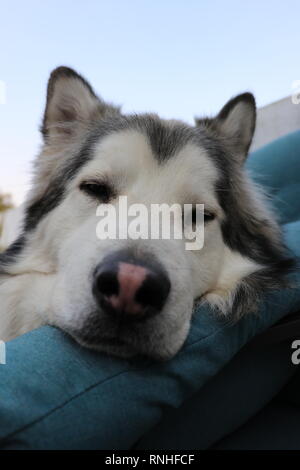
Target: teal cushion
(276,167)
(57,395)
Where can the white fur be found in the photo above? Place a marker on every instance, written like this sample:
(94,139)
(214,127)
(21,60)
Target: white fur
(51,283)
(233,269)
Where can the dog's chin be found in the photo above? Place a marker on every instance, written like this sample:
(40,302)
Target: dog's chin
(148,339)
(110,346)
(118,347)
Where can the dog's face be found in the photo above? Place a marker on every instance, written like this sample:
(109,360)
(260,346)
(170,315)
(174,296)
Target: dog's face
(129,296)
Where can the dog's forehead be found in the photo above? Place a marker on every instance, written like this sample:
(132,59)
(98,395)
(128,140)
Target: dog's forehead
(175,156)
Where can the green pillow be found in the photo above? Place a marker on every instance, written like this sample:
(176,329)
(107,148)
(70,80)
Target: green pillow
(57,395)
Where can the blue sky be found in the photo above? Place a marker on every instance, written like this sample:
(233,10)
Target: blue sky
(179,58)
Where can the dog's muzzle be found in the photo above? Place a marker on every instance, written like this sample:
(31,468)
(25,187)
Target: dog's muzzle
(130,289)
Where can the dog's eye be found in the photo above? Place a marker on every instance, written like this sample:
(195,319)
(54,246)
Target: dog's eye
(208,216)
(100,191)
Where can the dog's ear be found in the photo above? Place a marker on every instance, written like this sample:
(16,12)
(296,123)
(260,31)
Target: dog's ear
(71,101)
(236,122)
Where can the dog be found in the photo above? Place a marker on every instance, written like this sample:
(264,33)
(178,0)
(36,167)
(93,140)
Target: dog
(124,296)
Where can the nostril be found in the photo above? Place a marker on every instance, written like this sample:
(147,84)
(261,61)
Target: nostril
(106,283)
(154,290)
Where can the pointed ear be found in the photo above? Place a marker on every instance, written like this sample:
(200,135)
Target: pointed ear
(236,122)
(71,101)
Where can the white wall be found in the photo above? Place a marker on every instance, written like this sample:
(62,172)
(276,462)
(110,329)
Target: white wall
(275,120)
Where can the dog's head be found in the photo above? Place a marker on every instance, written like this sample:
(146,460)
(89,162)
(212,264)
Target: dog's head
(128,296)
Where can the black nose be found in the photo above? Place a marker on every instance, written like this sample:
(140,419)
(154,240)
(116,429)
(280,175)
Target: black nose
(131,288)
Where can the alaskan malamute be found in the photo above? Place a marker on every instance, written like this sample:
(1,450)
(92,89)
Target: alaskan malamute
(126,296)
